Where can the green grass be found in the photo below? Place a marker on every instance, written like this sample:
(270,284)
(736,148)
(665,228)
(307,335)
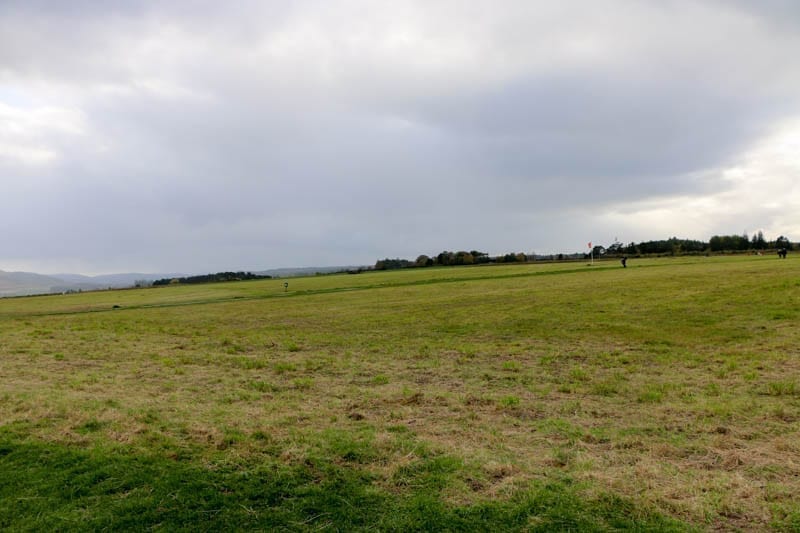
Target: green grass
(55,487)
(518,397)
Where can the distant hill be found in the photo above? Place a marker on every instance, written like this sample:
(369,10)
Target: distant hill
(29,283)
(25,283)
(116,281)
(305,271)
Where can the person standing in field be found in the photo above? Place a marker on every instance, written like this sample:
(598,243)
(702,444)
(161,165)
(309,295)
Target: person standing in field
(624,262)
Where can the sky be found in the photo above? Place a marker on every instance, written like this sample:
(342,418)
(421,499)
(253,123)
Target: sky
(200,136)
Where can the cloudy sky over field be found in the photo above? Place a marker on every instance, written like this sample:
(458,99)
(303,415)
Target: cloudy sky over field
(205,135)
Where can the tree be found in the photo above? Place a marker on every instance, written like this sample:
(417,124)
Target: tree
(632,249)
(445,258)
(615,249)
(744,242)
(728,243)
(392,264)
(463,258)
(480,257)
(757,242)
(423,261)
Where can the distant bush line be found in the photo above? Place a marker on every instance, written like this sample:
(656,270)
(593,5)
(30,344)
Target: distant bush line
(211,278)
(672,246)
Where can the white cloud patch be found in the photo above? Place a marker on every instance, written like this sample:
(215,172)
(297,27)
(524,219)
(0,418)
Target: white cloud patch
(760,192)
(36,136)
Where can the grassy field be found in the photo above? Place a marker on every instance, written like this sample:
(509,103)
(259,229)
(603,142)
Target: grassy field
(664,396)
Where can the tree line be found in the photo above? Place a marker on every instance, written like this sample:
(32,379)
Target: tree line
(210,278)
(671,246)
(447,258)
(716,244)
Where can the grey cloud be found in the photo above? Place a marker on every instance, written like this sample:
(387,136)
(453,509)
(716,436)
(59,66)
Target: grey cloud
(220,134)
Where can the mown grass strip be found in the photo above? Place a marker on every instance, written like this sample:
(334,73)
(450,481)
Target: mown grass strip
(54,487)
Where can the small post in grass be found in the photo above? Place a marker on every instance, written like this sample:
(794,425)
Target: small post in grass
(285,286)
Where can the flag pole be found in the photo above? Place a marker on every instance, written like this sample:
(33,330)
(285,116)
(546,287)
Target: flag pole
(591,252)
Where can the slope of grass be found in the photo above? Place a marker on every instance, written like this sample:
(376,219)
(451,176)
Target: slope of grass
(552,396)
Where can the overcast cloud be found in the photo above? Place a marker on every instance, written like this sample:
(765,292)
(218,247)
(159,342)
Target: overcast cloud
(203,136)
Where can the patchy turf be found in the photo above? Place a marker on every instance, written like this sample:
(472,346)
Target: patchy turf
(57,487)
(661,396)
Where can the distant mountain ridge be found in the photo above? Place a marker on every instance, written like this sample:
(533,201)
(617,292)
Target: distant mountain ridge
(26,283)
(29,283)
(116,281)
(305,271)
